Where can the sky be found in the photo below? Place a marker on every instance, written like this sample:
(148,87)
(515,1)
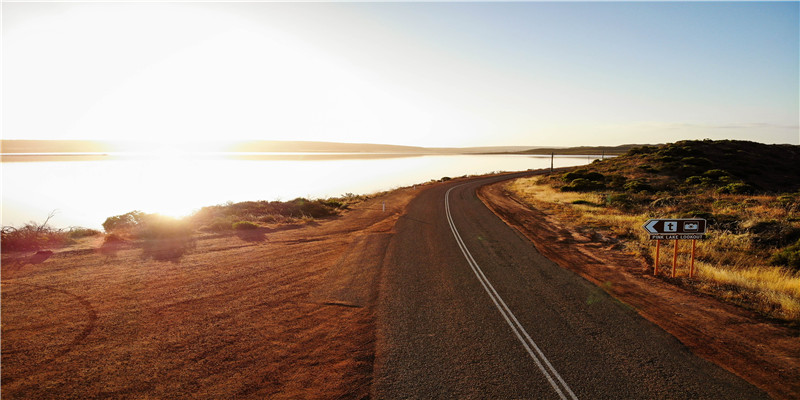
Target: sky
(424,74)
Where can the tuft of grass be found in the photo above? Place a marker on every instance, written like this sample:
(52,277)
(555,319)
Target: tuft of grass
(244,226)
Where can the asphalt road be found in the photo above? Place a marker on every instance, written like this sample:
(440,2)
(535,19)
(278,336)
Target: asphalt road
(469,309)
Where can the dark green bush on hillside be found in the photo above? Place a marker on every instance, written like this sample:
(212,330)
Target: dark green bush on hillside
(697,161)
(642,150)
(736,188)
(716,173)
(788,257)
(583,174)
(773,233)
(622,201)
(638,185)
(582,185)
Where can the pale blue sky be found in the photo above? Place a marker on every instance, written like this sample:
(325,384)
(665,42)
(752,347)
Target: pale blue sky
(429,74)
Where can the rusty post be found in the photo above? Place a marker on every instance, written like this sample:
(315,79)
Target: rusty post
(658,252)
(691,269)
(675,258)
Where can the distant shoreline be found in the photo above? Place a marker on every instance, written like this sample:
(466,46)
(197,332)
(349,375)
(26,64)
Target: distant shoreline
(254,156)
(16,148)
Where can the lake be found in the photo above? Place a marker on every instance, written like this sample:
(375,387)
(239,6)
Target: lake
(84,191)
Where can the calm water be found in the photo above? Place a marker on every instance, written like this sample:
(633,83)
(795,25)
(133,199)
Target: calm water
(85,193)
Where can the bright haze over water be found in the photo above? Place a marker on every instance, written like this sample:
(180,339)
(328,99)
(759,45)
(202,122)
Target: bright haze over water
(85,193)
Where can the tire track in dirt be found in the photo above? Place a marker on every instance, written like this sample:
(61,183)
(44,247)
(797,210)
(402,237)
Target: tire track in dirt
(87,330)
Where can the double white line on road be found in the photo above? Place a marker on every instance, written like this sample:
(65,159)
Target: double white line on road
(536,354)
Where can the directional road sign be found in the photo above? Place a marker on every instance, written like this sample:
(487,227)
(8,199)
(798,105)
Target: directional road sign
(671,229)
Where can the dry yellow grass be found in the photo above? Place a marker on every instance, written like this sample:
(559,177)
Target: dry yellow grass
(728,265)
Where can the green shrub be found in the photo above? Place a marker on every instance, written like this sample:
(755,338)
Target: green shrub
(697,161)
(716,173)
(616,181)
(696,180)
(648,168)
(244,226)
(773,233)
(638,185)
(584,203)
(621,200)
(642,150)
(582,185)
(789,257)
(736,188)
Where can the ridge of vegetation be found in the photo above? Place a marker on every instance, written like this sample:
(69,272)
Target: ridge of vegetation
(748,192)
(176,233)
(583,150)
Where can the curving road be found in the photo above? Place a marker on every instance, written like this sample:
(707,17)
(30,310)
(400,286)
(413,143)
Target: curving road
(469,309)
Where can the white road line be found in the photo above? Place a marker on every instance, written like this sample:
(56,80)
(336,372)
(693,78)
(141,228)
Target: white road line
(530,346)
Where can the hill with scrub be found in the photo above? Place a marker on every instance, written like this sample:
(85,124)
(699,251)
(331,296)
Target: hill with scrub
(748,192)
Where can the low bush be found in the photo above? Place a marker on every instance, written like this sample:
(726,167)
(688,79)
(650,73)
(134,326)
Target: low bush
(127,221)
(582,185)
(77,232)
(585,203)
(716,173)
(638,185)
(571,176)
(31,237)
(736,188)
(773,233)
(621,200)
(788,257)
(244,226)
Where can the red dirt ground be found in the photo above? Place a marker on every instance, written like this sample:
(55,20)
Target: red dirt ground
(763,353)
(278,313)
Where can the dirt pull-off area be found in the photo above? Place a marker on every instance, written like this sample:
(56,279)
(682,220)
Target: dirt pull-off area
(273,313)
(764,353)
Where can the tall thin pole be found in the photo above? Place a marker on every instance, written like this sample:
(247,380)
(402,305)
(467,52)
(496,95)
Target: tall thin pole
(691,269)
(658,252)
(552,155)
(675,258)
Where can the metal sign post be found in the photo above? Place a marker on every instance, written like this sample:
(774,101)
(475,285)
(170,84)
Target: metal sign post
(675,229)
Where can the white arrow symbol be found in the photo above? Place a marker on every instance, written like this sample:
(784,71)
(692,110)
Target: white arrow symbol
(650,226)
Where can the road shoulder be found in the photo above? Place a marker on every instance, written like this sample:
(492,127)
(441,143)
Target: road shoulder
(738,340)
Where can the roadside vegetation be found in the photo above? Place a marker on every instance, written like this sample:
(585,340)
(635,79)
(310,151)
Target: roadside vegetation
(748,192)
(168,238)
(34,236)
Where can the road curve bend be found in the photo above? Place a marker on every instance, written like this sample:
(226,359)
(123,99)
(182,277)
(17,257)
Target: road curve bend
(469,309)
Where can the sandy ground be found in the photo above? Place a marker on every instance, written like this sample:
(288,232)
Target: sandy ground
(764,353)
(275,313)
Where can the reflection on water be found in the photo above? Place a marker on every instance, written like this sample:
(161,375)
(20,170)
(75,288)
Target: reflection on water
(89,188)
